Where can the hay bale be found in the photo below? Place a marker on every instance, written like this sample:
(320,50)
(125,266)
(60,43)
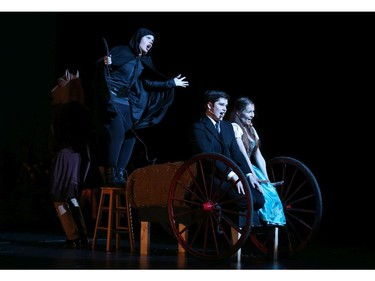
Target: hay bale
(149,186)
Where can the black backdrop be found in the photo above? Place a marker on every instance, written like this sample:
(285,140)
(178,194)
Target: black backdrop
(310,75)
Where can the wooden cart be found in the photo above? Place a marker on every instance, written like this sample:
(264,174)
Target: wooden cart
(185,196)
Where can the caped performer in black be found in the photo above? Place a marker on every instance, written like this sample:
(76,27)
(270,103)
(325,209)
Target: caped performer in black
(135,96)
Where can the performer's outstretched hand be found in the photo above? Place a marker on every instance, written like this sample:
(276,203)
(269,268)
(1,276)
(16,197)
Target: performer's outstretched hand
(179,81)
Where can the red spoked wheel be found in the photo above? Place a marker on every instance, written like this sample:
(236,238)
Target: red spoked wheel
(303,206)
(202,212)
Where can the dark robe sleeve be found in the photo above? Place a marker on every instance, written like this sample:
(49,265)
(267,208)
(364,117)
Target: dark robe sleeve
(104,107)
(159,99)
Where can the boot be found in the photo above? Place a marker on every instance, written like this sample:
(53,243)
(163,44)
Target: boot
(111,177)
(77,215)
(122,176)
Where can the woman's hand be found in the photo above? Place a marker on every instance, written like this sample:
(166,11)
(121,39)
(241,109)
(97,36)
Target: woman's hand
(179,81)
(255,182)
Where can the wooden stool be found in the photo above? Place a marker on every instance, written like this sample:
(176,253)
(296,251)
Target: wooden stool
(115,208)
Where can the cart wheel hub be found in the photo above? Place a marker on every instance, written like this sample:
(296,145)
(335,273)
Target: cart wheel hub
(208,206)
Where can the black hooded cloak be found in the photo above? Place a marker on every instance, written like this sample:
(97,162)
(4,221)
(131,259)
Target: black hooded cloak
(134,80)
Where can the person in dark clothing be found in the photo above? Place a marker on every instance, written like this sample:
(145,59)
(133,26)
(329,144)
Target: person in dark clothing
(134,95)
(70,125)
(205,138)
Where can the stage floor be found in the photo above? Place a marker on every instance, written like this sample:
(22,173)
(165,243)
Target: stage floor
(45,250)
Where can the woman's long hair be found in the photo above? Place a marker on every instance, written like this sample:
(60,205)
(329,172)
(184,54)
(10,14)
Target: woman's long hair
(240,105)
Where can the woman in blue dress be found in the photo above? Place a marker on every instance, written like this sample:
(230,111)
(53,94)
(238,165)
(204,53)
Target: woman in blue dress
(248,140)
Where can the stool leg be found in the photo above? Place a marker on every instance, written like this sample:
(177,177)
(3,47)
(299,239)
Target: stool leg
(118,214)
(94,203)
(110,216)
(98,219)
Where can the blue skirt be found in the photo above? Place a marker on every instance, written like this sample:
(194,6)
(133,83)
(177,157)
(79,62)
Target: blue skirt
(272,212)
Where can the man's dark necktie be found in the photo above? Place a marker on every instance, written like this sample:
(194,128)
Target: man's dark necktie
(223,148)
(217,126)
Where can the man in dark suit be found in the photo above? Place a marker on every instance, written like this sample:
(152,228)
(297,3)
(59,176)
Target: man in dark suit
(206,138)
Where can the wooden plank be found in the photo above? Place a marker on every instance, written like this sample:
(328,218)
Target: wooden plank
(145,238)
